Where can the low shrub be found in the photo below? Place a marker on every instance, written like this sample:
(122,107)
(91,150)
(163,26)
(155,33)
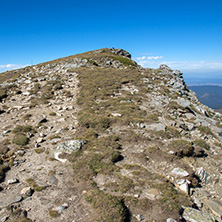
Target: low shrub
(182,148)
(3,94)
(53,213)
(27,116)
(20,139)
(202,143)
(123,60)
(206,130)
(22,129)
(52,114)
(34,185)
(109,208)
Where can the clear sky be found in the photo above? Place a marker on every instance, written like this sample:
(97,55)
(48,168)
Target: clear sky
(185,34)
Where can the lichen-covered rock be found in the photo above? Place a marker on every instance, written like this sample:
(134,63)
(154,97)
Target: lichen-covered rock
(193,215)
(70,146)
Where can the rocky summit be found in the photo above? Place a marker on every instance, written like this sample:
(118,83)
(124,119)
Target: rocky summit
(96,137)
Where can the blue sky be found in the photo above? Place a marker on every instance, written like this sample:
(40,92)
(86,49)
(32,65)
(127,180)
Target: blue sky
(186,35)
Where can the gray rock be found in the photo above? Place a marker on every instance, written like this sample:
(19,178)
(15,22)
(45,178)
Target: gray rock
(156,126)
(185,187)
(202,174)
(165,67)
(215,206)
(27,191)
(55,140)
(53,179)
(170,220)
(8,199)
(43,120)
(193,215)
(197,202)
(139,217)
(12,181)
(62,207)
(121,52)
(39,140)
(26,93)
(178,172)
(70,146)
(20,152)
(183,102)
(189,115)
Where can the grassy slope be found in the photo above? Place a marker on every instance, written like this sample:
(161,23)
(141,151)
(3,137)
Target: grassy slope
(100,96)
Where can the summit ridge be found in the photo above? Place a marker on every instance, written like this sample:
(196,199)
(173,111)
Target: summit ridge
(97,137)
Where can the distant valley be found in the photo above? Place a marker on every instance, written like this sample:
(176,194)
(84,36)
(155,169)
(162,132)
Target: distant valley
(209,95)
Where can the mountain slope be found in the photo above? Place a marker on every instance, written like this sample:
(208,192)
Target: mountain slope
(209,95)
(138,143)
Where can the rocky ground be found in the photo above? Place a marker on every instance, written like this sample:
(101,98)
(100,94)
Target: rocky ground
(167,162)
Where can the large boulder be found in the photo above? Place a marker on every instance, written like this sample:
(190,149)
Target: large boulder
(70,146)
(193,215)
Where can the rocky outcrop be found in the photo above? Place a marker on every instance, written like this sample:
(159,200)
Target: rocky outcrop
(121,52)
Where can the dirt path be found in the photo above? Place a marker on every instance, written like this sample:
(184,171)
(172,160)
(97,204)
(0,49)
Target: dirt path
(35,163)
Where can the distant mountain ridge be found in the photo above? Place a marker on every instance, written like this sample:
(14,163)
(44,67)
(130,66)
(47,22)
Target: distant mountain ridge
(209,95)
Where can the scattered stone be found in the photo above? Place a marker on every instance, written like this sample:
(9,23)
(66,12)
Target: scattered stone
(43,120)
(26,93)
(62,207)
(178,172)
(20,152)
(61,120)
(116,114)
(193,215)
(170,220)
(6,131)
(42,135)
(13,181)
(27,191)
(197,202)
(40,140)
(54,140)
(56,156)
(139,217)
